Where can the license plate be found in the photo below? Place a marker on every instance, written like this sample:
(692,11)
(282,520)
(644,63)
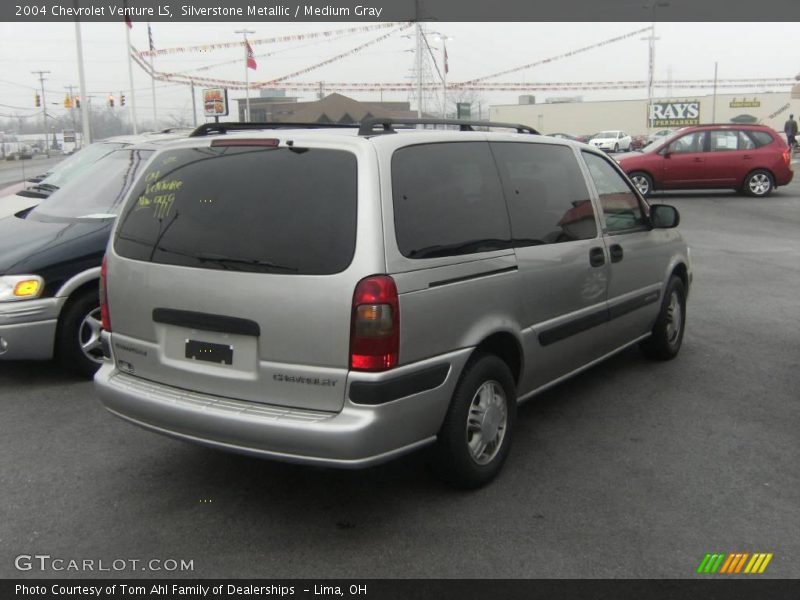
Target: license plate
(209,352)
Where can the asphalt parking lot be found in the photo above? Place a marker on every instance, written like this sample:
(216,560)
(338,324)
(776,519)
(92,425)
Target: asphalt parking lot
(632,469)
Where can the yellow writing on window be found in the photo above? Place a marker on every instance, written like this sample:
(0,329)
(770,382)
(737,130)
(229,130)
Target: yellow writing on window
(170,185)
(163,204)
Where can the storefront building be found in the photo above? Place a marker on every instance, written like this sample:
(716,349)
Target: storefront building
(631,116)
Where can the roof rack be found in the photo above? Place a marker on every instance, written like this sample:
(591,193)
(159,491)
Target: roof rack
(209,128)
(368,125)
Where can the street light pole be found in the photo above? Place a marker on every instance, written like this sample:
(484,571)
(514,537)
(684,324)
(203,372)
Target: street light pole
(86,134)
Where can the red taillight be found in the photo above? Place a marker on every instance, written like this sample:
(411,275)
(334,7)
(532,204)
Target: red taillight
(787,156)
(375,325)
(104,314)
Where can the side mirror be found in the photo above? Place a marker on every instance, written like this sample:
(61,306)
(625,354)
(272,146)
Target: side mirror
(664,216)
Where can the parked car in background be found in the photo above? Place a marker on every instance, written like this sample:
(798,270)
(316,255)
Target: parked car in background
(25,196)
(638,142)
(611,141)
(340,297)
(586,138)
(753,159)
(50,259)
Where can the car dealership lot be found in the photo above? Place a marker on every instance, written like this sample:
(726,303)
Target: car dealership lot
(633,469)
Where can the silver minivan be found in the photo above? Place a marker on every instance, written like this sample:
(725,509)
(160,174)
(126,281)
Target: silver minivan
(343,295)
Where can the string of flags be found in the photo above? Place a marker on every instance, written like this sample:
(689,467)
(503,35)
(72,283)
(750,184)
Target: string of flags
(261,41)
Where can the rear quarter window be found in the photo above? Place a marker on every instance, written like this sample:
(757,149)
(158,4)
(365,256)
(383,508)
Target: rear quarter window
(244,208)
(760,138)
(448,200)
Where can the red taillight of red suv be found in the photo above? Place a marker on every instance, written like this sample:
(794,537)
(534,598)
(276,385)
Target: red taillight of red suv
(104,314)
(375,325)
(787,156)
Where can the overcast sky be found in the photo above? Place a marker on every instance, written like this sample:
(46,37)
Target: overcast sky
(684,50)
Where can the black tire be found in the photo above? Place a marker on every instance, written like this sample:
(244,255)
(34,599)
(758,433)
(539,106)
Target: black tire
(759,183)
(643,182)
(457,456)
(616,147)
(74,328)
(667,336)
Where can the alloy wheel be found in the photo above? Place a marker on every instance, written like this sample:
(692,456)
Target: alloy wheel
(89,336)
(487,421)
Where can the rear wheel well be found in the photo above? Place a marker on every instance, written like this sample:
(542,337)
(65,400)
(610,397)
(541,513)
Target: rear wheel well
(507,348)
(743,182)
(643,172)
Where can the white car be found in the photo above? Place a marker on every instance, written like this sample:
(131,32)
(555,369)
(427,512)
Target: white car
(613,141)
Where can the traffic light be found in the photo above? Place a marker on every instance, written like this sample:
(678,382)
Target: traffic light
(122,99)
(37,100)
(110,101)
(77,101)
(67,101)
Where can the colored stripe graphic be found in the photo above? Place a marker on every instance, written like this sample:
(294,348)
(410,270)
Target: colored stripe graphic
(727,563)
(734,563)
(765,563)
(740,564)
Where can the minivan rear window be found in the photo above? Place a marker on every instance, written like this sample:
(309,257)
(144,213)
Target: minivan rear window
(244,208)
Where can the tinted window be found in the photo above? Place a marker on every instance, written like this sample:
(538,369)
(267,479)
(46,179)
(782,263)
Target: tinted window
(448,200)
(547,196)
(245,209)
(761,138)
(621,206)
(96,191)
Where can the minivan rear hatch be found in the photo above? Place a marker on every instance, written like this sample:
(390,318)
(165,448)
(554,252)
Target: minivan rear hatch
(229,273)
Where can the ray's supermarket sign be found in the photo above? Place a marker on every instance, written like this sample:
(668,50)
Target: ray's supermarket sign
(675,114)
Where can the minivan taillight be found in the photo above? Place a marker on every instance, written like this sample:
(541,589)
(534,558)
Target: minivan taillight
(375,325)
(104,314)
(787,156)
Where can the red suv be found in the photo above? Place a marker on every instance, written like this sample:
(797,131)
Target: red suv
(751,158)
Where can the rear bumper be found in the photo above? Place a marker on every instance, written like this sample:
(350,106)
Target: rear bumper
(358,436)
(28,329)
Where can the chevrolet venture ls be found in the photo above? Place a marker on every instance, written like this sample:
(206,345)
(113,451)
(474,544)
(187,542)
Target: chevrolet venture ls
(341,296)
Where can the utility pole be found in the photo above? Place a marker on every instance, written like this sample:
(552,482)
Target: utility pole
(419,69)
(651,60)
(194,106)
(152,75)
(714,101)
(132,109)
(86,135)
(244,33)
(44,110)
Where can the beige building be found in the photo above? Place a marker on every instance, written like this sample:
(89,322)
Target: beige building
(578,118)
